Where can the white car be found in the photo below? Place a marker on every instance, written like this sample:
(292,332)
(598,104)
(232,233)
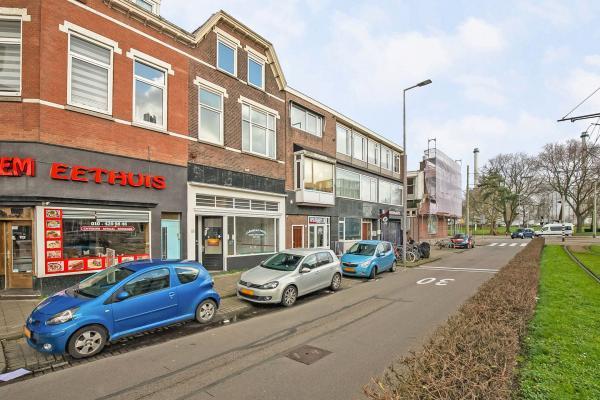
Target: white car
(555,229)
(289,274)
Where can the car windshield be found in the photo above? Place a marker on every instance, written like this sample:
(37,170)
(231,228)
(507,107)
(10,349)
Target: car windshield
(282,262)
(458,236)
(99,283)
(362,249)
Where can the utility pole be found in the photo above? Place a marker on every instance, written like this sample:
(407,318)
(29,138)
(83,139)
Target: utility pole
(594,217)
(562,215)
(468,200)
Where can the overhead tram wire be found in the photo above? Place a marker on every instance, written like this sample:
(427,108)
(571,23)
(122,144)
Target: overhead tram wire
(580,117)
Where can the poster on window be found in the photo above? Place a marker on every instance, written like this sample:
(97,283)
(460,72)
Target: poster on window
(77,242)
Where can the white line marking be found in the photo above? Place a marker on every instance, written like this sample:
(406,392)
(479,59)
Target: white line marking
(523,244)
(458,268)
(485,271)
(493,244)
(513,244)
(502,244)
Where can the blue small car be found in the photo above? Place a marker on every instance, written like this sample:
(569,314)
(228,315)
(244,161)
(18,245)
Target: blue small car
(368,258)
(120,301)
(523,233)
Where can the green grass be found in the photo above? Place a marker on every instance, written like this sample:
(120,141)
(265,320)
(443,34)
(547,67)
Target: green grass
(590,257)
(562,350)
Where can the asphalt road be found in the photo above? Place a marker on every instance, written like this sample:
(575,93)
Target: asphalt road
(358,331)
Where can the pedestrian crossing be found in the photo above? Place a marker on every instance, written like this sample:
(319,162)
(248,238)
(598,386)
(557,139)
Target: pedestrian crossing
(506,244)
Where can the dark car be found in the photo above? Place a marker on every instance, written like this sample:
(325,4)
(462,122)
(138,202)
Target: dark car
(462,241)
(523,233)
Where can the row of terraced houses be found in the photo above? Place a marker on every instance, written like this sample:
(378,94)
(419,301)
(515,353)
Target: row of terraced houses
(124,137)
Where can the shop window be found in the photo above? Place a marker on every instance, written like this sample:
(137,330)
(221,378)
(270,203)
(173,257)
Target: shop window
(256,72)
(347,184)
(210,117)
(150,94)
(258,131)
(349,228)
(90,74)
(318,175)
(343,140)
(10,57)
(255,235)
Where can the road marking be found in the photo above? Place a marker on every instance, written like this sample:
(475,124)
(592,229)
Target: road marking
(523,244)
(458,269)
(502,244)
(493,244)
(513,244)
(441,282)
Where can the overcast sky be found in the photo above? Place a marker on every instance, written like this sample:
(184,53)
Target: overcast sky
(503,71)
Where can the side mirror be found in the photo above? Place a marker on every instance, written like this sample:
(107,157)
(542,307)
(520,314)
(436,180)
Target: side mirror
(304,270)
(122,296)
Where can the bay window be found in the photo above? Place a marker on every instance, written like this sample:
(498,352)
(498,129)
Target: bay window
(258,131)
(347,184)
(318,175)
(149,94)
(90,74)
(344,140)
(307,121)
(210,115)
(10,57)
(359,147)
(349,228)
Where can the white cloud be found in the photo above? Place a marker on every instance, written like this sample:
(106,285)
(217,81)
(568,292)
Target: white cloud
(576,86)
(480,35)
(482,89)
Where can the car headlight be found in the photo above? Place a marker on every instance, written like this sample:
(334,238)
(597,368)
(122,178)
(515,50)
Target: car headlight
(62,317)
(365,264)
(270,285)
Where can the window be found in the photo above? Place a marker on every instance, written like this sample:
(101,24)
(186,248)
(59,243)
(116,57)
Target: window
(310,262)
(147,5)
(186,275)
(90,75)
(318,175)
(396,194)
(344,140)
(306,120)
(10,57)
(386,158)
(373,153)
(347,184)
(149,94)
(324,258)
(258,131)
(255,235)
(390,193)
(397,163)
(349,228)
(226,56)
(360,147)
(410,186)
(368,188)
(148,282)
(210,116)
(256,72)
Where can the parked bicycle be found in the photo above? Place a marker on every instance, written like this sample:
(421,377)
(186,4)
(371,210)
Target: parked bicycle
(443,244)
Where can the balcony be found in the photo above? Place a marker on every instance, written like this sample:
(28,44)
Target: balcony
(314,198)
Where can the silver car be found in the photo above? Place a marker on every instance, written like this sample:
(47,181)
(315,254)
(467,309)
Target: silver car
(289,274)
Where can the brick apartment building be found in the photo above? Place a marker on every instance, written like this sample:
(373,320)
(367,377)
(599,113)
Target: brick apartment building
(124,137)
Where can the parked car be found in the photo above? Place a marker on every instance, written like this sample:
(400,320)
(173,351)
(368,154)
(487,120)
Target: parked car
(522,233)
(368,258)
(462,241)
(555,229)
(120,301)
(289,274)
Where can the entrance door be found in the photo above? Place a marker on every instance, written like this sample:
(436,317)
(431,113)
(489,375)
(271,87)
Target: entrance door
(318,236)
(366,231)
(297,236)
(170,243)
(17,257)
(212,243)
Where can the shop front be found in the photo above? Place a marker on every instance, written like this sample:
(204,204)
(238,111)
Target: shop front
(67,213)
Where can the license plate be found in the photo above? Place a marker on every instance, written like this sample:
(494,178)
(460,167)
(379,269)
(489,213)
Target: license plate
(247,291)
(27,332)
(349,269)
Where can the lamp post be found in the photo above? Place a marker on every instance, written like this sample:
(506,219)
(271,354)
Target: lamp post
(404,174)
(584,136)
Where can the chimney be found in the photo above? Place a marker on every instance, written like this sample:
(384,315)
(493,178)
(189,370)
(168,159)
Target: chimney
(476,166)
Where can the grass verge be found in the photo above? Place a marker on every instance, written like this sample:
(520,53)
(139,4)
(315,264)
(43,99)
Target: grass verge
(589,255)
(473,355)
(562,350)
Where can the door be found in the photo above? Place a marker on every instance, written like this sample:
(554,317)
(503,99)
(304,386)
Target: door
(366,231)
(326,267)
(308,281)
(212,243)
(318,236)
(151,301)
(170,239)
(297,236)
(17,257)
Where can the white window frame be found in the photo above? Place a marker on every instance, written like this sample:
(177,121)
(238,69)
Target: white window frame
(348,135)
(391,184)
(385,152)
(342,221)
(108,46)
(370,180)
(394,157)
(350,172)
(154,4)
(299,179)
(319,118)
(165,70)
(232,45)
(18,41)
(364,147)
(377,152)
(261,62)
(264,110)
(221,112)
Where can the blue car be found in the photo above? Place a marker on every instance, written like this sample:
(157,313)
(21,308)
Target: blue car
(367,258)
(120,301)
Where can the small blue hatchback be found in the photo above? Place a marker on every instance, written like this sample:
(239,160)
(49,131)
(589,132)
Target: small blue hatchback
(120,301)
(368,258)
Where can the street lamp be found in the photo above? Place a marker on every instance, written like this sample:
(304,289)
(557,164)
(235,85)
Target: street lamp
(404,172)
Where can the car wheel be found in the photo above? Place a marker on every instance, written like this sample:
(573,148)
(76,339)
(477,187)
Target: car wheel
(393,267)
(206,311)
(289,296)
(336,282)
(373,272)
(87,341)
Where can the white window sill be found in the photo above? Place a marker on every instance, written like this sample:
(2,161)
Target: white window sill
(149,127)
(216,144)
(11,98)
(250,153)
(89,112)
(227,73)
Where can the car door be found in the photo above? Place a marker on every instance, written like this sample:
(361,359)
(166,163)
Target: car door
(324,269)
(151,302)
(307,281)
(388,255)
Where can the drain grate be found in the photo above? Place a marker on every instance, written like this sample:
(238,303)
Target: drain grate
(307,354)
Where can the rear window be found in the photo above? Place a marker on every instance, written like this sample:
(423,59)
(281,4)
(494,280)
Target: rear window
(186,275)
(324,258)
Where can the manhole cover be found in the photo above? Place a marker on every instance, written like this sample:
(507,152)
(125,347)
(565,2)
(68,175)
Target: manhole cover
(307,354)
